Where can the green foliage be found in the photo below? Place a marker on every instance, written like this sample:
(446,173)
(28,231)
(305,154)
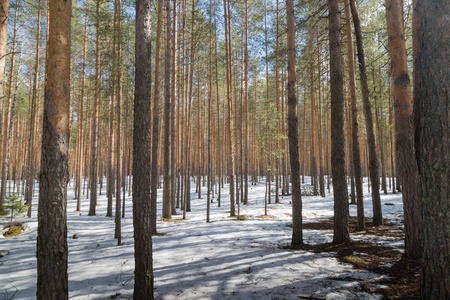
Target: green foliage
(15,206)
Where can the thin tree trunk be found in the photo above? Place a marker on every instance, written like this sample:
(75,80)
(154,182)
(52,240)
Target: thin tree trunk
(373,160)
(292,119)
(9,111)
(34,111)
(174,119)
(356,156)
(167,193)
(81,112)
(94,127)
(230,126)
(319,129)
(246,136)
(155,135)
(4,11)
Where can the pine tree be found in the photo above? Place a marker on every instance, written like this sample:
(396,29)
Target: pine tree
(52,252)
(341,231)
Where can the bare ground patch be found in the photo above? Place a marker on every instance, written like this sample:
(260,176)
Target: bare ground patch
(405,280)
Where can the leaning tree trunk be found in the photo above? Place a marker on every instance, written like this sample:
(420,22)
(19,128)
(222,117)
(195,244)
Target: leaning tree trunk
(356,156)
(373,161)
(52,250)
(341,231)
(431,89)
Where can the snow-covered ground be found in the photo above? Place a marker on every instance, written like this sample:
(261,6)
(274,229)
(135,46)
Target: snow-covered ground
(223,259)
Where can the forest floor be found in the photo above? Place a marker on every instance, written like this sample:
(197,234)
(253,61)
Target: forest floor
(403,274)
(249,258)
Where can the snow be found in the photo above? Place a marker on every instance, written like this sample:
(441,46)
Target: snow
(223,259)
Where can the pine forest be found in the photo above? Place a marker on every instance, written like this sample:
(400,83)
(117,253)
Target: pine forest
(224,149)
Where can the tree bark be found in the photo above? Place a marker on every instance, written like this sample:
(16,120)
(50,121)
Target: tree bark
(143,281)
(431,89)
(167,201)
(341,231)
(406,157)
(292,119)
(52,250)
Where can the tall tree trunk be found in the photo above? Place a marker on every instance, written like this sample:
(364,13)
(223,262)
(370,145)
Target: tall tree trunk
(230,126)
(174,165)
(155,138)
(94,127)
(292,118)
(167,193)
(319,129)
(208,192)
(34,112)
(378,117)
(4,10)
(80,120)
(373,160)
(431,89)
(313,131)
(406,157)
(303,153)
(341,231)
(52,250)
(143,281)
(391,141)
(356,156)
(219,140)
(9,111)
(246,105)
(118,71)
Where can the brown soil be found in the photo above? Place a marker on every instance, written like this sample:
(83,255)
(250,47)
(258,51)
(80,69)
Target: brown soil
(385,230)
(405,281)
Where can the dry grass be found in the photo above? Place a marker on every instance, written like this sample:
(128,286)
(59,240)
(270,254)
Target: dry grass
(13,231)
(172,220)
(268,217)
